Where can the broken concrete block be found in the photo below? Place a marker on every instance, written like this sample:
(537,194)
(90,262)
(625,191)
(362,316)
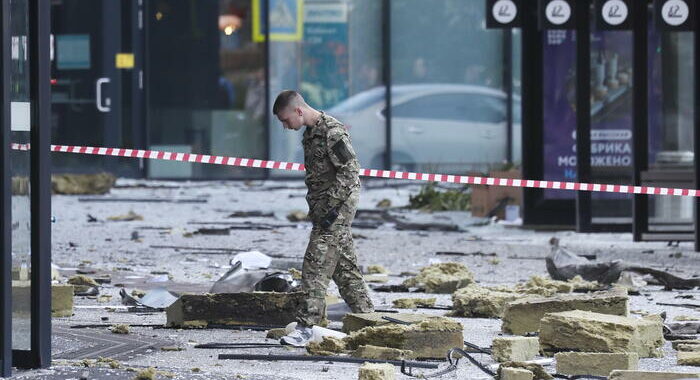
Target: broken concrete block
(537,370)
(377,371)
(297,216)
(377,269)
(585,331)
(676,343)
(327,347)
(259,308)
(523,316)
(516,374)
(61,300)
(594,363)
(431,338)
(473,301)
(517,348)
(413,303)
(82,283)
(688,347)
(382,353)
(128,217)
(689,358)
(442,278)
(356,321)
(379,278)
(650,375)
(75,184)
(276,334)
(119,329)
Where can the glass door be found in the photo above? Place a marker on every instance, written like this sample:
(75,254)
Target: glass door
(87,73)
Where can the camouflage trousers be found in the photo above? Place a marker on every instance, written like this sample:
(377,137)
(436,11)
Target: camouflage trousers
(331,254)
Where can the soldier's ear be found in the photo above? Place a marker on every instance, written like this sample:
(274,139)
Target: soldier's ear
(298,111)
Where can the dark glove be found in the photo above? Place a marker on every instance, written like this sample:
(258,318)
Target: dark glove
(330,217)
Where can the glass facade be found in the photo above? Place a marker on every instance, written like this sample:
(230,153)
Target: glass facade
(448,107)
(21,186)
(336,64)
(200,82)
(671,124)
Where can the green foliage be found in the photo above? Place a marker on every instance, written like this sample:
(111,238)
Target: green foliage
(432,199)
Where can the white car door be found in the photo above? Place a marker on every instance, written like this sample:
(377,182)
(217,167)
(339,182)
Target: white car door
(453,128)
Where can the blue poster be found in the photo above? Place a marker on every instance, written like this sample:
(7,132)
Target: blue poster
(611,108)
(325,55)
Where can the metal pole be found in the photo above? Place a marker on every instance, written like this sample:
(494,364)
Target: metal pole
(640,205)
(532,111)
(267,61)
(40,96)
(5,201)
(583,114)
(508,89)
(386,49)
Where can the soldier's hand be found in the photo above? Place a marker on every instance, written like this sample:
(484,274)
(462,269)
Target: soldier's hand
(329,218)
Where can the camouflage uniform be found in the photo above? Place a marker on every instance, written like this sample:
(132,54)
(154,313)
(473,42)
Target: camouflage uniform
(332,179)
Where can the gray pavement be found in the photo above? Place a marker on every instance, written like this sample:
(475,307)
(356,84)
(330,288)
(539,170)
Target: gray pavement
(108,247)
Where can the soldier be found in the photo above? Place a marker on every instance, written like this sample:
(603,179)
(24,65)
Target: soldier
(332,179)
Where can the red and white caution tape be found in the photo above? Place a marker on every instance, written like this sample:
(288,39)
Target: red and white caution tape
(281,165)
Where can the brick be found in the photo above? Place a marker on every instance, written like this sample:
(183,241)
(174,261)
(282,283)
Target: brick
(594,363)
(523,316)
(382,353)
(516,374)
(376,371)
(431,338)
(518,348)
(356,321)
(584,331)
(650,375)
(260,308)
(689,358)
(474,301)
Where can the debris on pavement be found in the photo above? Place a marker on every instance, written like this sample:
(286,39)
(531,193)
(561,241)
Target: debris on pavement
(537,371)
(357,321)
(382,353)
(563,264)
(328,346)
(128,217)
(376,371)
(298,216)
(594,332)
(595,363)
(442,278)
(262,308)
(651,375)
(413,303)
(524,315)
(515,349)
(431,338)
(81,184)
(119,329)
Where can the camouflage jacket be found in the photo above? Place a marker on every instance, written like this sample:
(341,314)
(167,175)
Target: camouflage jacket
(332,169)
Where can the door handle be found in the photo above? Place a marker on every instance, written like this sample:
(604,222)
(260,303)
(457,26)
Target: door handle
(98,97)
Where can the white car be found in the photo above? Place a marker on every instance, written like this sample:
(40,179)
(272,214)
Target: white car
(450,127)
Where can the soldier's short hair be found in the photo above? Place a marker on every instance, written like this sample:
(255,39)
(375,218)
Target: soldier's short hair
(284,99)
